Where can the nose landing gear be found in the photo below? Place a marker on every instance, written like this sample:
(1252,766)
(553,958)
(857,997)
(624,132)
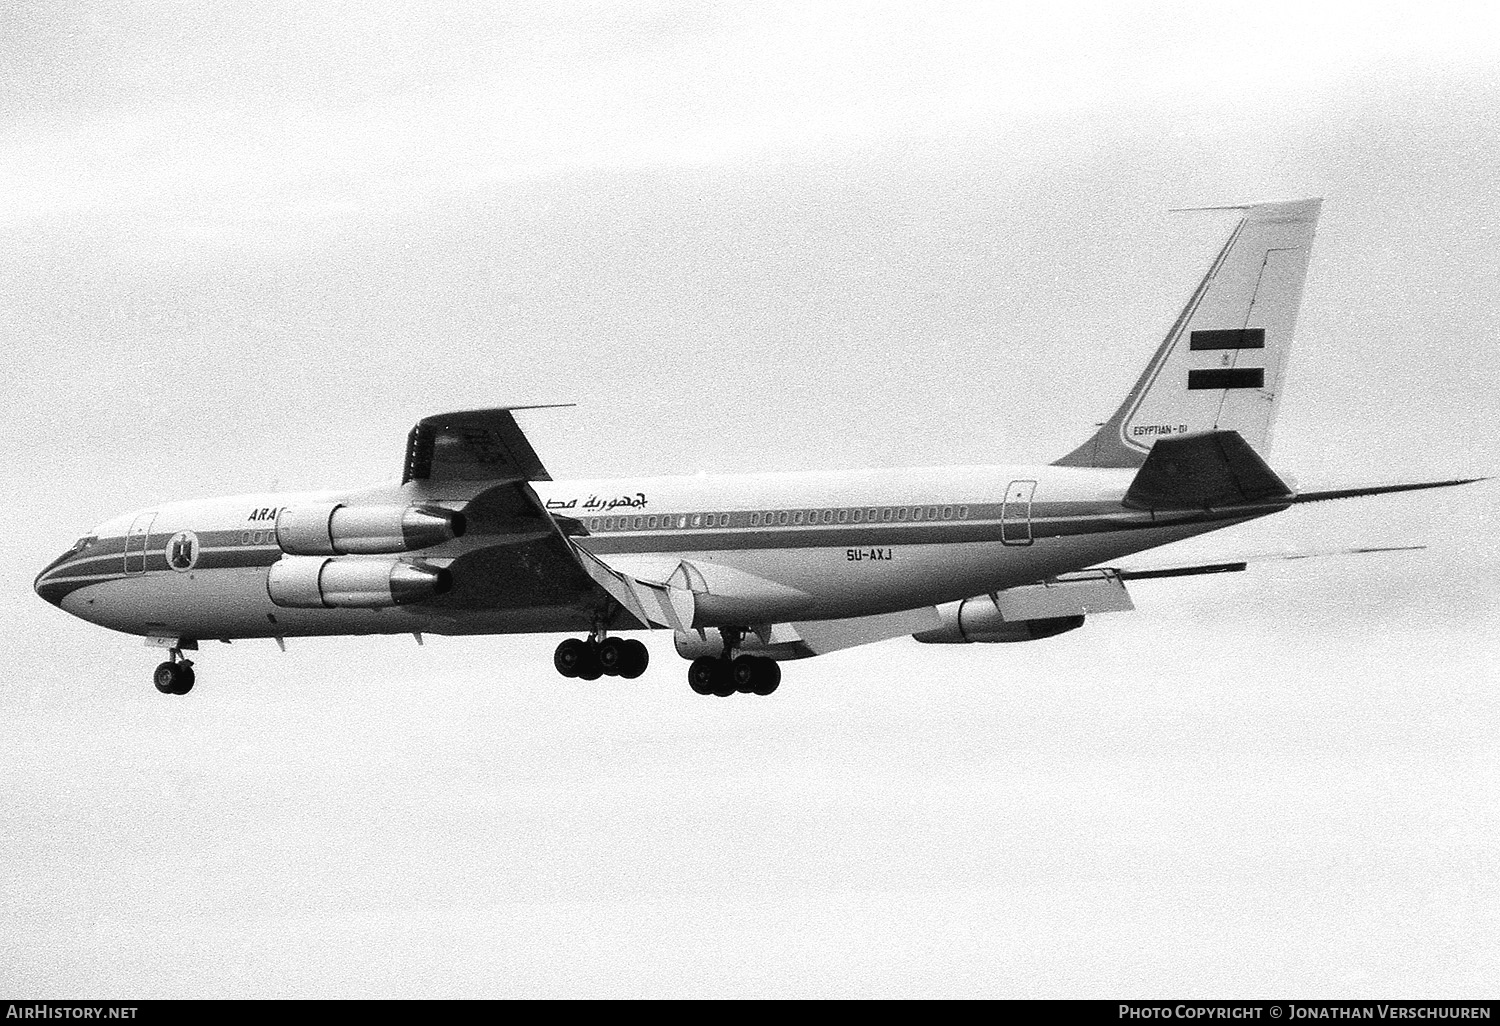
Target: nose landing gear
(175,676)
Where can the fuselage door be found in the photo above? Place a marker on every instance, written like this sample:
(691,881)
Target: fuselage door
(1015,515)
(135,543)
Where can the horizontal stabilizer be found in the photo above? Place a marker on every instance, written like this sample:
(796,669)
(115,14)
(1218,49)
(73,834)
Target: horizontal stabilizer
(1212,469)
(1352,493)
(1150,573)
(1181,571)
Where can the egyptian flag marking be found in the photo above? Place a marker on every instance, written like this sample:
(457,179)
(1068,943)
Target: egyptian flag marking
(1227,377)
(1228,338)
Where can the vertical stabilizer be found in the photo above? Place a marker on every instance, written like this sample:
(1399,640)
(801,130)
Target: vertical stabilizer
(1221,366)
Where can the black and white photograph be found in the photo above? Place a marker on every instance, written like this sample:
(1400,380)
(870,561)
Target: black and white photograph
(704,500)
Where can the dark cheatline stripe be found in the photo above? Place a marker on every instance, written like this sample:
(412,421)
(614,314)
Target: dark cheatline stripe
(1227,377)
(862,535)
(1229,338)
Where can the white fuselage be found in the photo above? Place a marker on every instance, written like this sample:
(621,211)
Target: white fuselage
(754,548)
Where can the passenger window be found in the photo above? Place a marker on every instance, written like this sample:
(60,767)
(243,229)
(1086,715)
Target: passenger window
(639,521)
(828,516)
(843,516)
(886,514)
(797,517)
(963,512)
(682,521)
(901,513)
(723,519)
(947,512)
(781,517)
(916,514)
(697,519)
(859,515)
(754,519)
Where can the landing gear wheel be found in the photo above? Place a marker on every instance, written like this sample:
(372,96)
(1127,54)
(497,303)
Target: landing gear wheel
(570,655)
(723,680)
(767,677)
(589,667)
(638,658)
(165,678)
(174,678)
(701,674)
(746,670)
(614,656)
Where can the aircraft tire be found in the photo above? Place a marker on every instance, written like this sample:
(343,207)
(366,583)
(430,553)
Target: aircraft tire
(746,670)
(767,677)
(614,656)
(589,667)
(723,682)
(639,657)
(186,678)
(570,655)
(701,675)
(165,678)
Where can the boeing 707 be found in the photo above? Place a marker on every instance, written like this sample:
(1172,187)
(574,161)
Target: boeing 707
(747,571)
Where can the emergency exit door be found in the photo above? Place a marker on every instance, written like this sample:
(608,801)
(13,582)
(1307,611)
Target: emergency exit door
(1015,515)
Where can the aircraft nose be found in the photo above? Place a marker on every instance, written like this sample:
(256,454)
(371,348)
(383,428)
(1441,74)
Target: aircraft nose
(52,595)
(46,584)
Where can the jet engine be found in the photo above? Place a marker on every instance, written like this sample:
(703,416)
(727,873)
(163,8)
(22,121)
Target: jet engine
(311,582)
(333,529)
(979,620)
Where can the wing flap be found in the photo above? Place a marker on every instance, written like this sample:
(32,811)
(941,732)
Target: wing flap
(823,636)
(1085,592)
(654,605)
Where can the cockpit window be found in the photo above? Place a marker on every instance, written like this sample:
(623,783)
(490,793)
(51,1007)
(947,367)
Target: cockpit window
(78,546)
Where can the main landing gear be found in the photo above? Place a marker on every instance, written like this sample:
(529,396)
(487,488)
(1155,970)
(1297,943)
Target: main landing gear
(175,676)
(746,674)
(727,673)
(592,659)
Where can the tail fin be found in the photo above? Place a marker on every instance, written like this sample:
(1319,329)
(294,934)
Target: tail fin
(1221,366)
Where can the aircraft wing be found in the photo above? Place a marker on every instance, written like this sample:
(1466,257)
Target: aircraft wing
(472,445)
(483,457)
(1083,592)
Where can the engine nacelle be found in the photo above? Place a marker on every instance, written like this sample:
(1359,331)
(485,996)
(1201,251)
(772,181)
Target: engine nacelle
(333,529)
(979,620)
(312,582)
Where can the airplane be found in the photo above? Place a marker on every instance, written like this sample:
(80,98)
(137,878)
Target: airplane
(746,570)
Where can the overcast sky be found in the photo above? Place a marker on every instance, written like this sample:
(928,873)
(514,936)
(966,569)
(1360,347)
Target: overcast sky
(248,245)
